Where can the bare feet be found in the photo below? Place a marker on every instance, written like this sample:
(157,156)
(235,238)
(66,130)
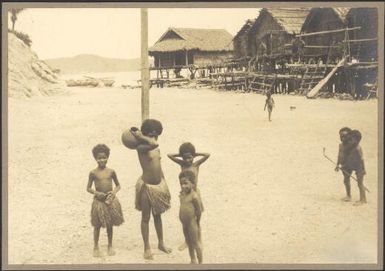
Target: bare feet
(97,252)
(165,249)
(110,251)
(182,246)
(194,261)
(347,198)
(148,254)
(360,202)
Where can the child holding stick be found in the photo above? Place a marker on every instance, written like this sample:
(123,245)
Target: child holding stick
(355,162)
(342,149)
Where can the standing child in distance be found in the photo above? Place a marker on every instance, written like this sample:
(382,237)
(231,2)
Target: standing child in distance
(190,214)
(106,210)
(341,160)
(355,162)
(269,104)
(187,153)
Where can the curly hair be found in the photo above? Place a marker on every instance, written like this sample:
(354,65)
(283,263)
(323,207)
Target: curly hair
(355,134)
(345,129)
(186,147)
(150,125)
(101,148)
(187,174)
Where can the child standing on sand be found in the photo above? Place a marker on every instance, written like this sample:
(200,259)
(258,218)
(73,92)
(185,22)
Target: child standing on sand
(342,149)
(106,210)
(152,193)
(355,162)
(269,104)
(187,153)
(190,214)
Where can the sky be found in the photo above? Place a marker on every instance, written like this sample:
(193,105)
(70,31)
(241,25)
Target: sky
(115,32)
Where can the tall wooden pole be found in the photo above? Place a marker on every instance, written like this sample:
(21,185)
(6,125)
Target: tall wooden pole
(145,71)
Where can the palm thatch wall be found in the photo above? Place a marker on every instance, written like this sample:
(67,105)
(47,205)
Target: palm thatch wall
(367,19)
(323,19)
(240,40)
(273,28)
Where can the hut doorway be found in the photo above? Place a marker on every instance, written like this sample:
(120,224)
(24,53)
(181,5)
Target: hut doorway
(183,58)
(180,58)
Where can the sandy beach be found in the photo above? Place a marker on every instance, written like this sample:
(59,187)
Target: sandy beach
(269,194)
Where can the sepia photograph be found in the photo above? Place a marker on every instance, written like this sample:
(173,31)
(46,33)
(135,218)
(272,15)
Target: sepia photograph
(215,135)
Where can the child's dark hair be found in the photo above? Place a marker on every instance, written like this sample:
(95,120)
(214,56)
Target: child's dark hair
(101,148)
(345,129)
(150,125)
(356,134)
(187,174)
(186,147)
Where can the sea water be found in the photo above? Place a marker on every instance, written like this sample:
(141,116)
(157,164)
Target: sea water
(121,78)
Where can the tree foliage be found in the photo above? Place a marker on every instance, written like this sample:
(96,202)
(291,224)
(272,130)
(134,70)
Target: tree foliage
(14,12)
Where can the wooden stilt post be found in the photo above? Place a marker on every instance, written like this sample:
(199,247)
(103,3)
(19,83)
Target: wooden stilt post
(271,43)
(186,58)
(145,71)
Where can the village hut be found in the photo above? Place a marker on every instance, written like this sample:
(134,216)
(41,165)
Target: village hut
(332,33)
(187,46)
(325,43)
(363,45)
(274,28)
(241,40)
(364,48)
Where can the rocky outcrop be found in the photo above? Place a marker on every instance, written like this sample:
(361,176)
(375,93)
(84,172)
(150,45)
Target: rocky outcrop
(27,75)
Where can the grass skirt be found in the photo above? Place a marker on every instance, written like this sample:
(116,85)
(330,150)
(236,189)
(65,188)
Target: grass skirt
(158,195)
(106,215)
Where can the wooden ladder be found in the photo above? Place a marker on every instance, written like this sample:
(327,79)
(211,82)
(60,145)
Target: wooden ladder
(311,77)
(262,83)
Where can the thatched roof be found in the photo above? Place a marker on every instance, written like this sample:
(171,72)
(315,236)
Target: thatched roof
(341,13)
(290,19)
(340,16)
(245,28)
(178,39)
(352,11)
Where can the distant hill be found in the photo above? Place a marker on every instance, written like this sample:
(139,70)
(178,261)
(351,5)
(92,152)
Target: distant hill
(93,63)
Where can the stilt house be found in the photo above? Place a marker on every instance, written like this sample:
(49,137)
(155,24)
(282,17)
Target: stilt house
(186,46)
